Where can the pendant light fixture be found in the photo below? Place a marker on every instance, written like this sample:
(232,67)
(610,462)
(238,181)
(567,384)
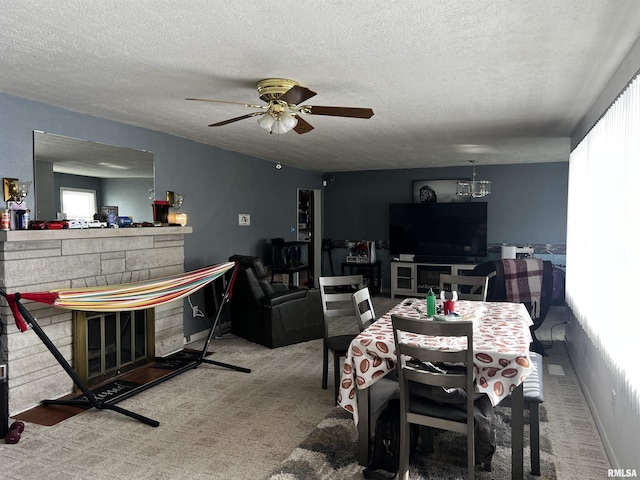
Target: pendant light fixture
(474,188)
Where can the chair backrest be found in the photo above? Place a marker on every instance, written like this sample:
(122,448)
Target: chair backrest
(364,308)
(407,349)
(410,358)
(335,293)
(468,287)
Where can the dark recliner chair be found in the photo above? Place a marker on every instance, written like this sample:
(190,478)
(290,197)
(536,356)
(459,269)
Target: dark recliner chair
(497,292)
(271,314)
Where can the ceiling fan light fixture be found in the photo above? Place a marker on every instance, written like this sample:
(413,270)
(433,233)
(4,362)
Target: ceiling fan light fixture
(266,121)
(290,121)
(279,123)
(284,109)
(473,188)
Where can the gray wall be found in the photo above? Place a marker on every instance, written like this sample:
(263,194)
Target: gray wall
(528,203)
(528,206)
(618,420)
(218,184)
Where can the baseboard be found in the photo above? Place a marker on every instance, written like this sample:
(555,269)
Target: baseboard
(596,418)
(584,346)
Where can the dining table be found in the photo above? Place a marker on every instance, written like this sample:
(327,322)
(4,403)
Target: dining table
(501,362)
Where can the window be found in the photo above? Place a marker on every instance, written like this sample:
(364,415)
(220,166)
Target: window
(602,239)
(77,203)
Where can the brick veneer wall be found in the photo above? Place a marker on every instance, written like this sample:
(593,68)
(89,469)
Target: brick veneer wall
(35,261)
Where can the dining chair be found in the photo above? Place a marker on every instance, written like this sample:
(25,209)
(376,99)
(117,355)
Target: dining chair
(341,325)
(467,286)
(365,314)
(416,368)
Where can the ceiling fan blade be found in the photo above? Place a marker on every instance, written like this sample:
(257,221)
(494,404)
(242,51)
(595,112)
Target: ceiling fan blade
(339,111)
(303,126)
(297,94)
(231,120)
(230,103)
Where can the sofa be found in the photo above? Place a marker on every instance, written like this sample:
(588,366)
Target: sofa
(272,314)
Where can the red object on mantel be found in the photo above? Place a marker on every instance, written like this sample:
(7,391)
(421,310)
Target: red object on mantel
(161,211)
(48,225)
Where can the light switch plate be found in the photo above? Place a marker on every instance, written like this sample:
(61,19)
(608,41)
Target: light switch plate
(244,219)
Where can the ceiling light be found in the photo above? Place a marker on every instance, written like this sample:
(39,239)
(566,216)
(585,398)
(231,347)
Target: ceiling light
(278,119)
(266,121)
(114,166)
(474,188)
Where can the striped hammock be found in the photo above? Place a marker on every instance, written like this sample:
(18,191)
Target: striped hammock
(130,296)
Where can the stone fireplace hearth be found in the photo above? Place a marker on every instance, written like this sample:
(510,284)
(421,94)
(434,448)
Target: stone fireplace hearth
(36,261)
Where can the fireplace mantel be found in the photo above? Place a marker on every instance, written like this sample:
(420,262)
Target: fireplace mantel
(75,233)
(42,260)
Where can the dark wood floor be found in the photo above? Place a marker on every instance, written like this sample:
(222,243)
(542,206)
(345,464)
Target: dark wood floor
(51,414)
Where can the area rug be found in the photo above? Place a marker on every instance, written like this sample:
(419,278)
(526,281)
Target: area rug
(329,453)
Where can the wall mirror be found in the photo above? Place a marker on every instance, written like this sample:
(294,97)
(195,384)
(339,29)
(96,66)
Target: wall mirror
(120,176)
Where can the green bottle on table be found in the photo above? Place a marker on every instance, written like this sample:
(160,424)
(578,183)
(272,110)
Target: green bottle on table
(431,303)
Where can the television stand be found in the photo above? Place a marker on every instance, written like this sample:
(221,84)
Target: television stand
(414,279)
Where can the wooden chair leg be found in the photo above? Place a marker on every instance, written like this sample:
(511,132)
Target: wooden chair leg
(405,441)
(534,433)
(426,434)
(325,367)
(336,375)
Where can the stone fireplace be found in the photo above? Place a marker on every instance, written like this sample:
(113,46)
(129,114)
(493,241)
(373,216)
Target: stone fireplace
(37,261)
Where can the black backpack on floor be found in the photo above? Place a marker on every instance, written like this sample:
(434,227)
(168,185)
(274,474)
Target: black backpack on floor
(386,444)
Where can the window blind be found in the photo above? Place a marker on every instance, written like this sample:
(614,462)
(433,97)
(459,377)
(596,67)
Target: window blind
(603,253)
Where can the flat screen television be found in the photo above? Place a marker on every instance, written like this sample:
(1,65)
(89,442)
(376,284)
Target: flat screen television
(445,232)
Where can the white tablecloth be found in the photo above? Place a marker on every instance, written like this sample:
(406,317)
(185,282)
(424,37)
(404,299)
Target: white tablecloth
(501,349)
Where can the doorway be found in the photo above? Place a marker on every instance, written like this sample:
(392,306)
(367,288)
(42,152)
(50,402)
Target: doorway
(309,228)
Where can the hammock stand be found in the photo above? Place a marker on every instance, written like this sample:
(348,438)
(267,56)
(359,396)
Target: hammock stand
(161,296)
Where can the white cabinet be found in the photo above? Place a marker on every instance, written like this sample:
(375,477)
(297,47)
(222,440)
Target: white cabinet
(403,278)
(415,279)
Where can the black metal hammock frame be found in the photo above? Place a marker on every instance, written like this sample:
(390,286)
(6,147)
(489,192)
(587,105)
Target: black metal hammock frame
(162,291)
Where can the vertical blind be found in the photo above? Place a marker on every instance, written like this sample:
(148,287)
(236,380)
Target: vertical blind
(603,243)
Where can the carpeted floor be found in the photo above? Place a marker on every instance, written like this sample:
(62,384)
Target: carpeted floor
(217,423)
(570,447)
(329,453)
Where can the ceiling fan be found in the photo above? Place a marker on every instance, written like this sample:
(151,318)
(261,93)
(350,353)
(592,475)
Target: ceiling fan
(283,110)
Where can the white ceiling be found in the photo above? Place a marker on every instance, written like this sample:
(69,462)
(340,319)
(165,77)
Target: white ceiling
(449,80)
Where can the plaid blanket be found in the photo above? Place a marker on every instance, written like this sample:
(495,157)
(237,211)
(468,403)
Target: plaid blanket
(523,282)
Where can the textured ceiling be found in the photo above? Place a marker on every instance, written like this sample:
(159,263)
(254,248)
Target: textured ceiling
(449,81)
